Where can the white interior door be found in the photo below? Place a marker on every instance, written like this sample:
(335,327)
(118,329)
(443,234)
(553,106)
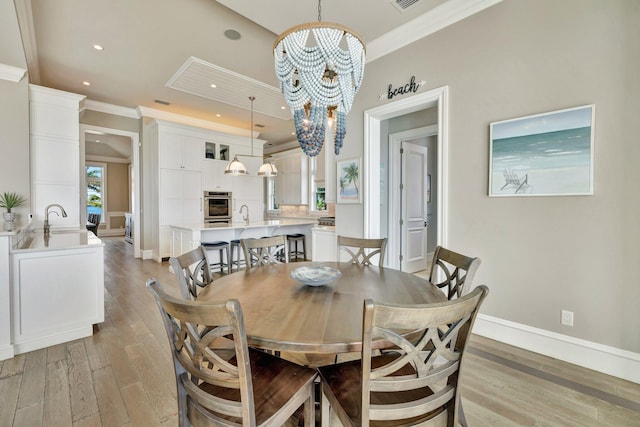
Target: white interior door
(414,207)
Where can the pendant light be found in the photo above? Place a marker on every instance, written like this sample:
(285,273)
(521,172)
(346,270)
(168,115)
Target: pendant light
(236,167)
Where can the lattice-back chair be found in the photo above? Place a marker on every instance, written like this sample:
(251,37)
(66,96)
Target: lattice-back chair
(362,251)
(268,250)
(192,271)
(414,384)
(458,271)
(246,388)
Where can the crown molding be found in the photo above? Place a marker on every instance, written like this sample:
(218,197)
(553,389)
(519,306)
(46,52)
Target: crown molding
(191,121)
(439,17)
(28,34)
(117,110)
(12,74)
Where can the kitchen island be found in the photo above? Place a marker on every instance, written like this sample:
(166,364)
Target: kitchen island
(57,283)
(189,236)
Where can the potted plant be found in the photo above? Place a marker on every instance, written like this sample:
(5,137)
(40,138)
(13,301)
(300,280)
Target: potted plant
(10,201)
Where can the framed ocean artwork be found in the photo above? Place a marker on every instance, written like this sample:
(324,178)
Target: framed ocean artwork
(349,181)
(549,154)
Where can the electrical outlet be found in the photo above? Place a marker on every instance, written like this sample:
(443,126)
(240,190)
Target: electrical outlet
(567,318)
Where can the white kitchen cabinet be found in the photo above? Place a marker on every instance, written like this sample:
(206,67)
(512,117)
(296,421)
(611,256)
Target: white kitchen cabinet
(55,154)
(291,182)
(213,176)
(324,244)
(181,170)
(179,151)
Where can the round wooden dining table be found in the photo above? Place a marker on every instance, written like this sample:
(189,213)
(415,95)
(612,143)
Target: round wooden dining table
(283,314)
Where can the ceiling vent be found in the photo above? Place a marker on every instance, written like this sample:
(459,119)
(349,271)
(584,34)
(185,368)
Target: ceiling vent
(403,5)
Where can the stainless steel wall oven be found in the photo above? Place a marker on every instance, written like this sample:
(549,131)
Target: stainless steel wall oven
(217,207)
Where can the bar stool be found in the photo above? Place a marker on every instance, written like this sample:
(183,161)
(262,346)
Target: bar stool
(292,242)
(223,259)
(237,256)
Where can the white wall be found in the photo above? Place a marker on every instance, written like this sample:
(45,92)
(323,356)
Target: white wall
(544,254)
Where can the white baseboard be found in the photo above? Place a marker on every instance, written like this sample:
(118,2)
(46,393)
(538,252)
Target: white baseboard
(609,360)
(148,254)
(111,232)
(6,352)
(53,339)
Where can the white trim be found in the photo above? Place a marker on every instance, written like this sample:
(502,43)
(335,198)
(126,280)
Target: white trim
(106,159)
(12,74)
(53,339)
(103,107)
(442,16)
(135,149)
(602,358)
(147,254)
(24,14)
(191,121)
(110,232)
(371,183)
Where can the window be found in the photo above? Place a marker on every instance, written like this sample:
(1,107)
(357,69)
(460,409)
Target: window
(95,188)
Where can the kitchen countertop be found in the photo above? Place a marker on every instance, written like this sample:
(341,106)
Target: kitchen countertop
(58,240)
(252,224)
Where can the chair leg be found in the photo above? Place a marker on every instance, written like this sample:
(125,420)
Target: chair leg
(325,413)
(310,410)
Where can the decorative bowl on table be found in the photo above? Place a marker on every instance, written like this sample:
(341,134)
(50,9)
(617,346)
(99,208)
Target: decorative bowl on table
(315,275)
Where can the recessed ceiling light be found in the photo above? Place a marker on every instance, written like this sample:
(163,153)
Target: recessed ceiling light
(232,35)
(218,115)
(283,107)
(98,47)
(213,85)
(97,140)
(86,83)
(293,133)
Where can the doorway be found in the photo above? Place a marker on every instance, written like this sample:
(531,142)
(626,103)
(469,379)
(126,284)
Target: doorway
(373,119)
(89,134)
(412,221)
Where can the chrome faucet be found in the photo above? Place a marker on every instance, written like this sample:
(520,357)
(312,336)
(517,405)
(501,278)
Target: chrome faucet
(246,217)
(47,227)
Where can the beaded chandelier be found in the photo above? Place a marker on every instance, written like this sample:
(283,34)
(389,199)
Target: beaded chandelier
(320,66)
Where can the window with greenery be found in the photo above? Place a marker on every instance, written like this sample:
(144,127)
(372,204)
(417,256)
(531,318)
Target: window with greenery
(95,189)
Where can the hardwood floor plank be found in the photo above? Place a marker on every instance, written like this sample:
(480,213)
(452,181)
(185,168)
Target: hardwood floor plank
(118,361)
(13,366)
(33,379)
(57,406)
(29,416)
(90,421)
(139,407)
(9,387)
(56,353)
(94,346)
(113,411)
(162,398)
(83,398)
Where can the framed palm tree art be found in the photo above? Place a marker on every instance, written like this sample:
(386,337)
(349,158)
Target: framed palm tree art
(348,180)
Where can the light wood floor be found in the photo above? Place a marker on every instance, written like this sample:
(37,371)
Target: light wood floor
(123,375)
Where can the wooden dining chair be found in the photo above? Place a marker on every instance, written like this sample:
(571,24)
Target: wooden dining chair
(192,271)
(250,388)
(417,383)
(362,251)
(268,250)
(457,271)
